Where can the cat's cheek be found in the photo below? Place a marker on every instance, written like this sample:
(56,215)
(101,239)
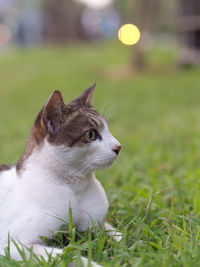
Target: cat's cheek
(105,165)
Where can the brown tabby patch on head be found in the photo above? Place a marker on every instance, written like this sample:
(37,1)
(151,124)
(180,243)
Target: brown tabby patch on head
(5,167)
(75,122)
(63,124)
(35,138)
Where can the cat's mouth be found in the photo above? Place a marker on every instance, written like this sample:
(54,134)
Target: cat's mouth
(107,162)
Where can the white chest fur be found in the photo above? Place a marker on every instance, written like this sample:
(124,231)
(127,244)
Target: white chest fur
(33,205)
(92,203)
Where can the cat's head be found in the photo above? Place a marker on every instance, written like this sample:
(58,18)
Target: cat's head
(77,133)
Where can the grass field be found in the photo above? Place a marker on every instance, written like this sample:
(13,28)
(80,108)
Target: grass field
(154,186)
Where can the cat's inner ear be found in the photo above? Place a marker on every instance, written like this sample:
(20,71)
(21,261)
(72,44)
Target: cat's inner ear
(85,98)
(52,112)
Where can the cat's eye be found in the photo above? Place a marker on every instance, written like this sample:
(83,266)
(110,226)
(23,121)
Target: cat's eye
(92,135)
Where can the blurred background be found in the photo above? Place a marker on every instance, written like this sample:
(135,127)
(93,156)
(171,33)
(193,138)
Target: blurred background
(162,23)
(67,45)
(149,92)
(40,22)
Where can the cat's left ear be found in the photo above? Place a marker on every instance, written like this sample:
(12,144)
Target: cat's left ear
(51,113)
(85,98)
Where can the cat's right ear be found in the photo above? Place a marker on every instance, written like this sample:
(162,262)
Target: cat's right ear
(51,113)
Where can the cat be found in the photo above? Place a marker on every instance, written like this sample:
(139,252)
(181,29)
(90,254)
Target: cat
(67,143)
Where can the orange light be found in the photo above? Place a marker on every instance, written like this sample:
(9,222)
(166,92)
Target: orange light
(129,34)
(5,33)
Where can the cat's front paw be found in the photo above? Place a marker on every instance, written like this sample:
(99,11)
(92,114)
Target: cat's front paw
(111,231)
(117,236)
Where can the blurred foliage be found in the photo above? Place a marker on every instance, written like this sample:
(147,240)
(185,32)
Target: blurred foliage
(134,10)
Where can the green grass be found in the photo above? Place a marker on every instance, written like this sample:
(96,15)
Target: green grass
(154,186)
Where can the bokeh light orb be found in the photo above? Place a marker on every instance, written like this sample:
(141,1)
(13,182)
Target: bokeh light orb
(129,34)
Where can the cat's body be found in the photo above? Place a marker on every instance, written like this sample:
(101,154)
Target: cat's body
(40,199)
(66,145)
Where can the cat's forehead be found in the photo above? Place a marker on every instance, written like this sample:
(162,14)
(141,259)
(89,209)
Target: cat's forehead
(81,115)
(75,122)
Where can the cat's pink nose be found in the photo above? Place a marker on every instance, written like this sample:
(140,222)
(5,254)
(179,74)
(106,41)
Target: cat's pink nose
(116,149)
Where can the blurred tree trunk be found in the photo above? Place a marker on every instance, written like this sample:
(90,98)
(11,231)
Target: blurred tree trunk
(189,29)
(146,14)
(61,20)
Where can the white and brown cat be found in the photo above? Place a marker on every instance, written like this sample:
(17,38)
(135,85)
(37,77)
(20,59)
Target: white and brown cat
(67,143)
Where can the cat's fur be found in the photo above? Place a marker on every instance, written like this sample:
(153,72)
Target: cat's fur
(57,168)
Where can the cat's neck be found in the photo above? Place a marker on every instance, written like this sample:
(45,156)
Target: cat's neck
(50,161)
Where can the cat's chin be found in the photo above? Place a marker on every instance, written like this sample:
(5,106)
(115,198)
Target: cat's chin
(106,165)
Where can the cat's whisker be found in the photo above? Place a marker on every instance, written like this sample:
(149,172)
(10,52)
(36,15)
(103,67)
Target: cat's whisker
(104,106)
(106,110)
(109,115)
(103,158)
(89,167)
